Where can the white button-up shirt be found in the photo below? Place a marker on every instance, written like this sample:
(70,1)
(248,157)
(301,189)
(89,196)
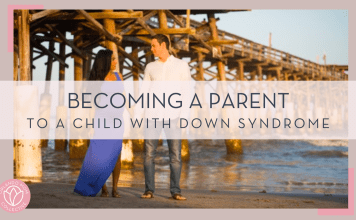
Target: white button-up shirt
(172,70)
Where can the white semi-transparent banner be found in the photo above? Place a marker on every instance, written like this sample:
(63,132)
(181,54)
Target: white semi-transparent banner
(176,110)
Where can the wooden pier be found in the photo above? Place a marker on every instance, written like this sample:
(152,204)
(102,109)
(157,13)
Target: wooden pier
(212,54)
(225,56)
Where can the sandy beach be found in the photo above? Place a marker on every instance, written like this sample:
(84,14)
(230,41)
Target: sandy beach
(52,195)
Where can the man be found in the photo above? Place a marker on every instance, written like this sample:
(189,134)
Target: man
(167,68)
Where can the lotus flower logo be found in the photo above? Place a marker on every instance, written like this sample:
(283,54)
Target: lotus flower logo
(13,195)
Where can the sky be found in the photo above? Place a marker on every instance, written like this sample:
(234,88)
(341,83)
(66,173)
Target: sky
(303,33)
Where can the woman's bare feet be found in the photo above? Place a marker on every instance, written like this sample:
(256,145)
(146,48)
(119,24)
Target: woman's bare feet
(104,194)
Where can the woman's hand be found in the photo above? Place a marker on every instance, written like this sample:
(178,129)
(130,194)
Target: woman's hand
(91,133)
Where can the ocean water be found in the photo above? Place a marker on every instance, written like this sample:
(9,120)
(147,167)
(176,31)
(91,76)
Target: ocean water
(293,166)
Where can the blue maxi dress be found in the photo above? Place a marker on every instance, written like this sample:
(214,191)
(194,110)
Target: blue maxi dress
(102,155)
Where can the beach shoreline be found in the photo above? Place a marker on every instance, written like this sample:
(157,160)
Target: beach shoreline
(57,195)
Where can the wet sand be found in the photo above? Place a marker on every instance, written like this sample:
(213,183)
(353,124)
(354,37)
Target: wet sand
(52,195)
(279,166)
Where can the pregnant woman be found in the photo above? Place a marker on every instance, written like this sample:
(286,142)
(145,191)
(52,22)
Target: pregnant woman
(103,157)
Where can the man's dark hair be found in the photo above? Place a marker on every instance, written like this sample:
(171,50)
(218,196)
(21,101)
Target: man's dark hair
(162,38)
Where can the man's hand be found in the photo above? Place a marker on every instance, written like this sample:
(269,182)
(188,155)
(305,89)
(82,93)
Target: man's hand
(131,112)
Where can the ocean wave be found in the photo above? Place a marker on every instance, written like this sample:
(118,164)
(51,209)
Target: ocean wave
(325,153)
(328,143)
(297,183)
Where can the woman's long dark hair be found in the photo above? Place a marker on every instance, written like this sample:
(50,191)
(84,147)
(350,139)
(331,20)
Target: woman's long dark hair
(101,66)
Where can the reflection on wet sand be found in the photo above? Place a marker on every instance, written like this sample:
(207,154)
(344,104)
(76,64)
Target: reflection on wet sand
(271,165)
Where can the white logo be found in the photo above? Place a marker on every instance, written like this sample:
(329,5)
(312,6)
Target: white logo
(13,195)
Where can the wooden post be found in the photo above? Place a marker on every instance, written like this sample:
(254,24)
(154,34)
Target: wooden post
(313,71)
(77,147)
(28,152)
(16,63)
(241,71)
(45,103)
(121,65)
(87,65)
(49,65)
(24,44)
(232,145)
(185,153)
(62,53)
(31,62)
(61,133)
(214,33)
(127,158)
(109,25)
(137,144)
(78,62)
(162,17)
(286,75)
(15,78)
(212,25)
(259,72)
(187,25)
(85,69)
(221,70)
(200,76)
(278,72)
(135,70)
(200,90)
(252,75)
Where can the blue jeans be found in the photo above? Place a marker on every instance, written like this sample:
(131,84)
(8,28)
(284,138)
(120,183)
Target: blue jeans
(174,147)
